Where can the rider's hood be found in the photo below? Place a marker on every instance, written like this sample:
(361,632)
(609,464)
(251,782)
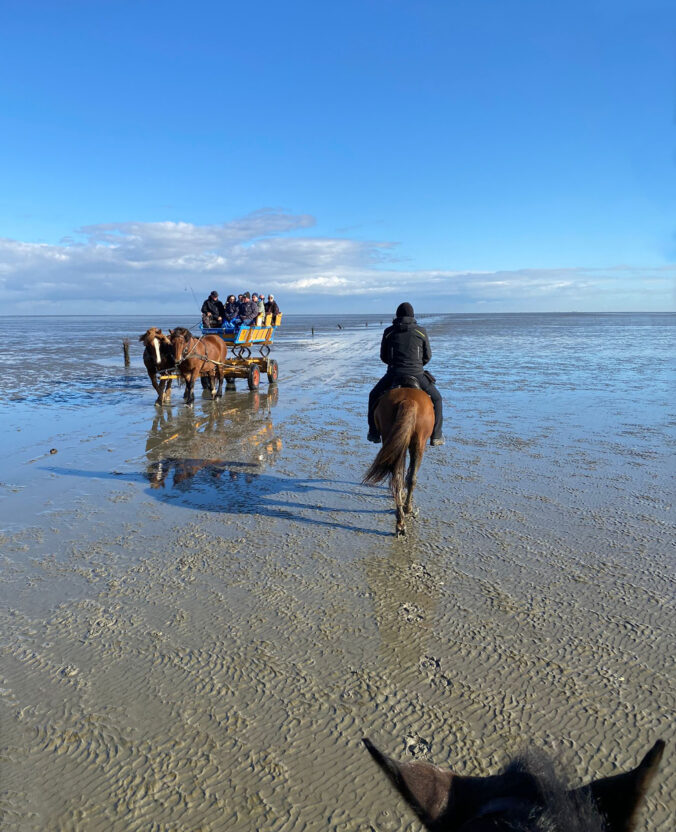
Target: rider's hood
(404,323)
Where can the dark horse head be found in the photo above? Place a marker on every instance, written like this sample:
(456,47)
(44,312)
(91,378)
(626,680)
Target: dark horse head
(180,340)
(525,797)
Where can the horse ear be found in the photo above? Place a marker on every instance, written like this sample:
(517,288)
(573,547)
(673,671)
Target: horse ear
(141,337)
(618,797)
(425,787)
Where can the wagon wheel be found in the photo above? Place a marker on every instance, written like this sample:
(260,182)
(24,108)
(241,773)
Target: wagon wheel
(254,377)
(273,371)
(265,350)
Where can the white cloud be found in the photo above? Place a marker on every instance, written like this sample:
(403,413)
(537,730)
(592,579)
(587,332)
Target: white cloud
(136,266)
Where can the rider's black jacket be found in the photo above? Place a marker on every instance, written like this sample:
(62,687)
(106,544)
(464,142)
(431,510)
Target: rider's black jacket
(405,347)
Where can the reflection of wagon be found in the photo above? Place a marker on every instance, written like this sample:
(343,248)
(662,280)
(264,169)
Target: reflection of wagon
(241,340)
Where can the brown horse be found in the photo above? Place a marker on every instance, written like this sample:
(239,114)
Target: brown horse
(198,356)
(405,418)
(525,797)
(158,356)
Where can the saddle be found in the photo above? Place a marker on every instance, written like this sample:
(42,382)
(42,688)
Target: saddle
(405,381)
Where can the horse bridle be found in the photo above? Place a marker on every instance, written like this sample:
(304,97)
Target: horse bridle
(186,352)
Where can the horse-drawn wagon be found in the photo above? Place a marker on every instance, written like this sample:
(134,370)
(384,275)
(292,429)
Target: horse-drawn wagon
(220,354)
(241,341)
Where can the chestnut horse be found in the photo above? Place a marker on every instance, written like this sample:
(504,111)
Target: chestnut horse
(158,356)
(525,797)
(405,418)
(198,356)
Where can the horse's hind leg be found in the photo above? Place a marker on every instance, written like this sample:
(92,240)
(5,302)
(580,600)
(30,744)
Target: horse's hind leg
(398,494)
(412,474)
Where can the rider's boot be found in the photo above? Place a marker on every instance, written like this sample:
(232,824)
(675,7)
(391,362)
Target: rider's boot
(437,435)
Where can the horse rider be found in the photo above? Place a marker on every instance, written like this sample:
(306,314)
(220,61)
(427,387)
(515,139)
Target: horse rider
(405,349)
(212,311)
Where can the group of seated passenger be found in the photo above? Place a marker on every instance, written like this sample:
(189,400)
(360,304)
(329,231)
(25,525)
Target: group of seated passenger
(245,309)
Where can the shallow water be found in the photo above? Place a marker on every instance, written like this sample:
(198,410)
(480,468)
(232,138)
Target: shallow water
(204,610)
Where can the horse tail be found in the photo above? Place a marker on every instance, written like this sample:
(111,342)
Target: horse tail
(391,458)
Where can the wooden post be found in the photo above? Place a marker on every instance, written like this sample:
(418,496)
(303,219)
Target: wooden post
(125,350)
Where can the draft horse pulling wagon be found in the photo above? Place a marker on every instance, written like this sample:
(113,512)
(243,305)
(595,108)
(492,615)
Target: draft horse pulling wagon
(222,354)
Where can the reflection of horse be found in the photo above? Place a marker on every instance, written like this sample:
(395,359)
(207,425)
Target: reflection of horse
(198,356)
(405,419)
(526,797)
(226,443)
(158,356)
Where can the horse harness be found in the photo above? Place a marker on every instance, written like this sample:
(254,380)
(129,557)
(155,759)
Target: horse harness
(185,355)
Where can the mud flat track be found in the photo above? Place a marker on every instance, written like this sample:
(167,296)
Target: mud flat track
(203,612)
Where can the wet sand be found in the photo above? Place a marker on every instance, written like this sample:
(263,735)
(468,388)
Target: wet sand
(203,612)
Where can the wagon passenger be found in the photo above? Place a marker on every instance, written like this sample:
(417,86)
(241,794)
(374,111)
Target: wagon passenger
(248,310)
(212,311)
(271,307)
(231,309)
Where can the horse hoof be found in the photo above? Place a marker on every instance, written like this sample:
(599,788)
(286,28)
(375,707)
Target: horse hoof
(400,533)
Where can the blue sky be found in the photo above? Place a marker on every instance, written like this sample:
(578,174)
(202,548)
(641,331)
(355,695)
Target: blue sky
(475,155)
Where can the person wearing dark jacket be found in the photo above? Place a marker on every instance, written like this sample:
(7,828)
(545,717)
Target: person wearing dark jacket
(271,307)
(405,349)
(212,311)
(231,308)
(248,310)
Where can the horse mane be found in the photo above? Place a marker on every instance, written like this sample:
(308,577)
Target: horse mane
(563,809)
(182,331)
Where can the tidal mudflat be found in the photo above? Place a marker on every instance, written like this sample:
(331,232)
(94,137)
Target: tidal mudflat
(203,611)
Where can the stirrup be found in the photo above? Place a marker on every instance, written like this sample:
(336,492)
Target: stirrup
(373,436)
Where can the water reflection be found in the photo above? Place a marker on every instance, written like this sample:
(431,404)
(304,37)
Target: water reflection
(230,441)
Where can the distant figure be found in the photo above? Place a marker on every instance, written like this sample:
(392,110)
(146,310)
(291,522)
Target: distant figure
(271,307)
(405,348)
(212,311)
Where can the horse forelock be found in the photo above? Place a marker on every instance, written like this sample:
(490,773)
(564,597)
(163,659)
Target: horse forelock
(151,334)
